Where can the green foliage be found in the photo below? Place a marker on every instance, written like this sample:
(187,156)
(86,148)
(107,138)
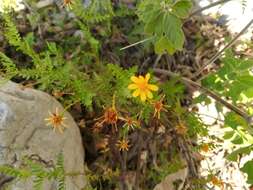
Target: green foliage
(233,120)
(233,79)
(38,172)
(89,16)
(49,68)
(173,90)
(60,173)
(8,65)
(165,167)
(233,156)
(76,66)
(248,168)
(233,82)
(195,125)
(18,173)
(163,19)
(94,12)
(114,80)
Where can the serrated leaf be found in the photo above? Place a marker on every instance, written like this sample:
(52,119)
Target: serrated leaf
(173,30)
(165,25)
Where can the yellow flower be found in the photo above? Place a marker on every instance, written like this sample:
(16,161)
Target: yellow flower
(123,145)
(141,87)
(217,182)
(56,120)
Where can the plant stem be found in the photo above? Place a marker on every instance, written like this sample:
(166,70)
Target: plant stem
(209,93)
(218,54)
(208,7)
(137,43)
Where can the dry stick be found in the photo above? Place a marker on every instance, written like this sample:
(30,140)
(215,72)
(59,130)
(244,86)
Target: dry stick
(137,43)
(208,92)
(209,6)
(218,54)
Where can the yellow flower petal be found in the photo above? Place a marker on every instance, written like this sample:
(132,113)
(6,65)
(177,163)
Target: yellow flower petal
(135,79)
(152,87)
(143,96)
(132,86)
(147,77)
(141,78)
(60,129)
(136,93)
(150,95)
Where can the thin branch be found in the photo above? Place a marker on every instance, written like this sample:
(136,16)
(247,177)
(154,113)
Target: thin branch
(158,58)
(209,93)
(208,7)
(212,117)
(218,54)
(137,43)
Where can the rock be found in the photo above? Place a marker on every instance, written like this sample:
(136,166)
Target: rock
(23,132)
(178,177)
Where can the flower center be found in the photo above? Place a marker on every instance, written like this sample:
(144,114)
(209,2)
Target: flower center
(111,116)
(143,85)
(158,106)
(57,119)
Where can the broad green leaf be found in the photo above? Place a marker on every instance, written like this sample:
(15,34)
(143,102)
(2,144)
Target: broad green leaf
(202,98)
(228,135)
(248,168)
(237,140)
(233,156)
(248,93)
(154,25)
(182,8)
(163,19)
(162,45)
(233,120)
(173,30)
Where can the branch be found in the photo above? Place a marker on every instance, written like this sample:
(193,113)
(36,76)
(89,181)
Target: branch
(137,43)
(208,7)
(209,93)
(218,54)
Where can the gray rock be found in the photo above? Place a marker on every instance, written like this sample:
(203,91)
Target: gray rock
(178,177)
(168,182)
(23,132)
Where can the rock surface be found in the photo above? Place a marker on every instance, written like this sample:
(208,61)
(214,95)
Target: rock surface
(23,132)
(168,182)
